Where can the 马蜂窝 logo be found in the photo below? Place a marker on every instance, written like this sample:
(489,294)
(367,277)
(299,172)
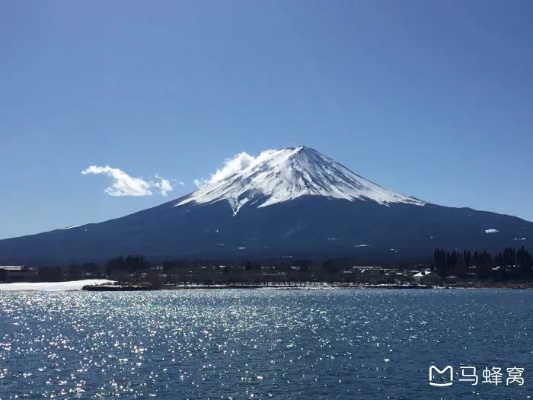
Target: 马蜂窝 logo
(445,380)
(495,376)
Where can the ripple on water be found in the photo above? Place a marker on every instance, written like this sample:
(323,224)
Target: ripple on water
(201,344)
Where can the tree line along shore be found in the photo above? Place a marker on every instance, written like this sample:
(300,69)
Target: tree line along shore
(509,268)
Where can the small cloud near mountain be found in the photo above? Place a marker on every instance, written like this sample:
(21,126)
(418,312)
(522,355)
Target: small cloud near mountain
(126,185)
(234,165)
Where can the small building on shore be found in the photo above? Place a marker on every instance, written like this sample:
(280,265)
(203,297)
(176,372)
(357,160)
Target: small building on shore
(428,278)
(373,274)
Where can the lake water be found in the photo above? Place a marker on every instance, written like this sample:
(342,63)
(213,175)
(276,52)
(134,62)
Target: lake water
(281,344)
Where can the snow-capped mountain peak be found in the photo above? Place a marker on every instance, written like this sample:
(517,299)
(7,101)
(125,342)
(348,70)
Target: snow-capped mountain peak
(276,176)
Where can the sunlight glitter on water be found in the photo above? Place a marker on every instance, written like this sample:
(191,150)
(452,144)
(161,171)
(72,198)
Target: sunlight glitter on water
(251,344)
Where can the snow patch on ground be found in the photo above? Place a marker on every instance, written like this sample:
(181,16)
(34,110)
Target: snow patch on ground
(66,228)
(491,230)
(51,286)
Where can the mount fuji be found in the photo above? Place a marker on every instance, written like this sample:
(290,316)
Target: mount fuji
(277,176)
(289,202)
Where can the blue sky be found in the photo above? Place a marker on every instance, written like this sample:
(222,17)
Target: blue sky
(431,99)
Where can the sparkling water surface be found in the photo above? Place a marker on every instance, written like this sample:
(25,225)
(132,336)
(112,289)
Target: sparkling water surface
(266,343)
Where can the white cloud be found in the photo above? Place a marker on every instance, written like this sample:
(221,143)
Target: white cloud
(200,182)
(231,166)
(234,165)
(163,185)
(126,185)
(492,230)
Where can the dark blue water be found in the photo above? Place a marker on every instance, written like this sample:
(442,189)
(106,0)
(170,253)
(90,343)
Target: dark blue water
(240,344)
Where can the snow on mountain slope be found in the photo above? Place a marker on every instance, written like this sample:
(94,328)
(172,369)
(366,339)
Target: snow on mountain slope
(276,176)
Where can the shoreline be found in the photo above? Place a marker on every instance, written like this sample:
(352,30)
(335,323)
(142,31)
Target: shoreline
(107,285)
